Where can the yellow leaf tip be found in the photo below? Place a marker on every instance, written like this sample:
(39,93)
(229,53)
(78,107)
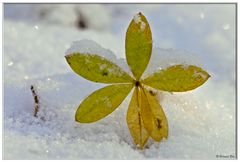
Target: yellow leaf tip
(209,76)
(81,121)
(78,119)
(67,57)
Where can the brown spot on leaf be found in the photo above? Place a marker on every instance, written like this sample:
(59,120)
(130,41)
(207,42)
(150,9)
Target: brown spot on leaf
(104,73)
(152,93)
(159,123)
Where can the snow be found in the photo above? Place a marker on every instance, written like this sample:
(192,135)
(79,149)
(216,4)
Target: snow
(91,47)
(10,63)
(196,74)
(226,26)
(143,25)
(185,66)
(201,122)
(137,19)
(103,66)
(86,46)
(163,58)
(61,14)
(107,101)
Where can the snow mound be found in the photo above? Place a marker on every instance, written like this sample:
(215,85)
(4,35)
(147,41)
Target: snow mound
(160,58)
(163,58)
(91,47)
(197,122)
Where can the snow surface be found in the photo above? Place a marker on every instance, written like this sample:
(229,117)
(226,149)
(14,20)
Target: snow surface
(60,14)
(201,122)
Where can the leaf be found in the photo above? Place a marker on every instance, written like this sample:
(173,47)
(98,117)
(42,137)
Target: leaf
(177,78)
(134,121)
(153,116)
(102,102)
(97,68)
(138,45)
(161,125)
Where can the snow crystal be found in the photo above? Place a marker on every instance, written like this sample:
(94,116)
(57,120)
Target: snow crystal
(26,77)
(111,70)
(202,15)
(108,102)
(185,66)
(10,63)
(196,74)
(36,27)
(137,19)
(226,27)
(103,66)
(115,71)
(143,25)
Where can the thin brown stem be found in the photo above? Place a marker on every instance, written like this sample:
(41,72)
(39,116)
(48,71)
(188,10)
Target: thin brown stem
(36,101)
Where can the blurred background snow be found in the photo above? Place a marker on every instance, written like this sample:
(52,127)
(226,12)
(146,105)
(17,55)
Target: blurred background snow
(36,36)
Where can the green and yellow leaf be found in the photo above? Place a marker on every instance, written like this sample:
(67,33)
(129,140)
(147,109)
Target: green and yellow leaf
(153,116)
(161,125)
(97,68)
(138,45)
(177,78)
(147,116)
(102,102)
(134,121)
